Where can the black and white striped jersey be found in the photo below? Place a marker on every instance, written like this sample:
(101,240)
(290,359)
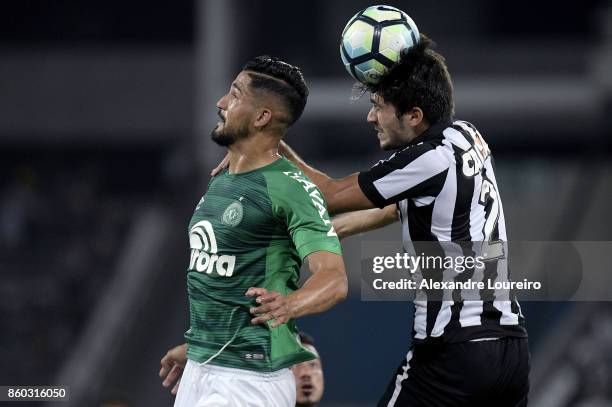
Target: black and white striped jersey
(444,186)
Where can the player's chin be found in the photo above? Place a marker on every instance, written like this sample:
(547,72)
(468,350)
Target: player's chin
(308,395)
(311,399)
(386,145)
(303,400)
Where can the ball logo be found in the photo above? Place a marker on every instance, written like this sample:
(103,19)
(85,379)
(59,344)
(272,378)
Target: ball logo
(232,215)
(204,257)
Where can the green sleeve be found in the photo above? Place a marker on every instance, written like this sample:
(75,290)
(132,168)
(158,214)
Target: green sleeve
(300,204)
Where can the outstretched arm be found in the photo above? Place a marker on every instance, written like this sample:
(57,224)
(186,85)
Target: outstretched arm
(326,287)
(352,223)
(342,195)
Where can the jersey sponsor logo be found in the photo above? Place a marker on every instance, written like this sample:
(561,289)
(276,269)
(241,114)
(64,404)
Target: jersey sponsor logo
(315,197)
(232,215)
(204,257)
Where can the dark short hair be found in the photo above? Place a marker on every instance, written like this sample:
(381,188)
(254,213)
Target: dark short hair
(282,79)
(419,79)
(306,339)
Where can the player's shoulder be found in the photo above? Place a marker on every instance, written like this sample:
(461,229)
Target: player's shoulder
(472,135)
(287,181)
(217,179)
(465,125)
(467,128)
(420,151)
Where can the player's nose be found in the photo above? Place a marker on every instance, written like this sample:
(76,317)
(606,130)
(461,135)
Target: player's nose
(371,118)
(222,103)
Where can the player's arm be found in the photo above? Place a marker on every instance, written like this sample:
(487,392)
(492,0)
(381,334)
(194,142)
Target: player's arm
(342,195)
(326,287)
(352,223)
(294,203)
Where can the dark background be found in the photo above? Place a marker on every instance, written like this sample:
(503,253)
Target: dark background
(105,115)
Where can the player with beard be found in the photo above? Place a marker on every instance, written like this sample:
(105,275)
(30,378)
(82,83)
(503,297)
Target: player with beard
(308,376)
(258,221)
(440,184)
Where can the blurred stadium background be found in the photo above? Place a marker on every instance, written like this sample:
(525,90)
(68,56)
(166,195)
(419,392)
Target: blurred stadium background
(105,115)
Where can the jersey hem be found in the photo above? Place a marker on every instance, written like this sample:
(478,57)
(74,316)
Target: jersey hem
(278,364)
(475,332)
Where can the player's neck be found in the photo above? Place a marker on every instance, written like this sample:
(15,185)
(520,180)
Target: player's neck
(419,130)
(252,153)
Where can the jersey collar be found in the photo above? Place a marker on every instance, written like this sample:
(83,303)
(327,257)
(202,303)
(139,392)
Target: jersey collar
(432,131)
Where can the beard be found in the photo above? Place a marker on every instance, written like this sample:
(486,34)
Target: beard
(392,142)
(227,137)
(389,145)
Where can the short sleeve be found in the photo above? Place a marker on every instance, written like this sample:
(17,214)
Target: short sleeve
(413,172)
(300,204)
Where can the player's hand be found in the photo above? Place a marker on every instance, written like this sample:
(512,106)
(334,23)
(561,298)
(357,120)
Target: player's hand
(223,164)
(274,307)
(172,366)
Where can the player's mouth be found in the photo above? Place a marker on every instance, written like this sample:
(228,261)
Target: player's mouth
(307,389)
(221,116)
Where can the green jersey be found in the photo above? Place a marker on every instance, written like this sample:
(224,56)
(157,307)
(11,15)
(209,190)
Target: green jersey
(251,229)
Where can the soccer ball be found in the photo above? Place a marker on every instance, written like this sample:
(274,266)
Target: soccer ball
(373,40)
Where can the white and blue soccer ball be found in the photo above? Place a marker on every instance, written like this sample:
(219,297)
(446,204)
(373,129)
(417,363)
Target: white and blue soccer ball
(373,41)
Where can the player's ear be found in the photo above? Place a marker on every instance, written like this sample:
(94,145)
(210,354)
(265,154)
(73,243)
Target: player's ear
(263,116)
(413,117)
